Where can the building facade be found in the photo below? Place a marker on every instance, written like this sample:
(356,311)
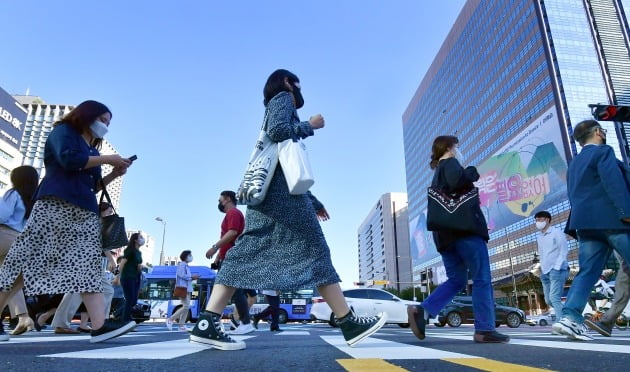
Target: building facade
(12,120)
(383,241)
(39,123)
(511,80)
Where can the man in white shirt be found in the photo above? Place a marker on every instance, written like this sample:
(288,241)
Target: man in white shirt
(552,250)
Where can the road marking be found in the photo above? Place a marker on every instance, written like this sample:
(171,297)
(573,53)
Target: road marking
(293,333)
(383,349)
(570,345)
(26,340)
(153,350)
(368,365)
(493,365)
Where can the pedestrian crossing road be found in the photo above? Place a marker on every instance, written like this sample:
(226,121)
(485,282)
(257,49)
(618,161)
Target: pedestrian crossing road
(316,347)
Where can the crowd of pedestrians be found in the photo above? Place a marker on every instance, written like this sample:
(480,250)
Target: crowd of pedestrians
(50,240)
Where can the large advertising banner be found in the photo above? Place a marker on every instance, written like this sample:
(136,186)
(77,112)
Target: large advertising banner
(421,241)
(12,119)
(526,175)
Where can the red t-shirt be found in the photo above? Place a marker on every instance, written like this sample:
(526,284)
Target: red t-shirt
(233,220)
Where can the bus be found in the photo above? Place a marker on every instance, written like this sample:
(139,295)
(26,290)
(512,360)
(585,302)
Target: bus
(295,306)
(160,283)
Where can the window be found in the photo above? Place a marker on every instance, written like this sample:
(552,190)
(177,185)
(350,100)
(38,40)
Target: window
(356,293)
(381,295)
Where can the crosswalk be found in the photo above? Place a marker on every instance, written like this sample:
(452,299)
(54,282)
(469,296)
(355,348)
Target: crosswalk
(389,344)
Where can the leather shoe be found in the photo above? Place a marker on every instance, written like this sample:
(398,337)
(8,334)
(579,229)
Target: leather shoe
(22,327)
(66,331)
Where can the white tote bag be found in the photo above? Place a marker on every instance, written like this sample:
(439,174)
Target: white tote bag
(296,166)
(259,171)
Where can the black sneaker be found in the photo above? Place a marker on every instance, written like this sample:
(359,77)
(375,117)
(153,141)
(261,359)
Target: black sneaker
(110,329)
(600,327)
(255,321)
(235,324)
(355,328)
(3,335)
(275,329)
(415,318)
(209,331)
(490,337)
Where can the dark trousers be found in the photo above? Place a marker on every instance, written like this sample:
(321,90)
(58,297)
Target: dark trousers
(273,309)
(130,289)
(240,301)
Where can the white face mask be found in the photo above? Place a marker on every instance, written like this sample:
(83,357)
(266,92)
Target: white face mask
(458,155)
(140,241)
(189,259)
(99,129)
(540,225)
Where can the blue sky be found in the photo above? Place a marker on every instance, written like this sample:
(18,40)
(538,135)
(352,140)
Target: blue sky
(184,81)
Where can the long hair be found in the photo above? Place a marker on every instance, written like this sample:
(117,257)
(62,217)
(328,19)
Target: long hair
(275,84)
(82,116)
(441,145)
(132,242)
(24,180)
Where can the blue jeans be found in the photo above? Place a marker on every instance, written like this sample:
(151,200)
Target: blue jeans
(467,253)
(595,247)
(553,284)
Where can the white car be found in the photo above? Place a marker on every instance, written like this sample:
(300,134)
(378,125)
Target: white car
(366,302)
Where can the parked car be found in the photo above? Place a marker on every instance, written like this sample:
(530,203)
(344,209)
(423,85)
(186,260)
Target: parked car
(460,311)
(541,320)
(366,302)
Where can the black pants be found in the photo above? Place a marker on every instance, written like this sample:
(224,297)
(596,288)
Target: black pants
(130,289)
(273,309)
(240,301)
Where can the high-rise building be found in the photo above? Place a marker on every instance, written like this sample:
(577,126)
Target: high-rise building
(383,240)
(511,80)
(12,119)
(39,123)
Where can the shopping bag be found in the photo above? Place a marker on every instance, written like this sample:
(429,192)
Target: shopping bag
(296,166)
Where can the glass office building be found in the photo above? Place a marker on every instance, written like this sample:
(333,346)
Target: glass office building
(511,80)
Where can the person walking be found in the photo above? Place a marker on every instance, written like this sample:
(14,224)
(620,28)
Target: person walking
(596,181)
(462,252)
(130,271)
(282,246)
(183,278)
(622,294)
(231,227)
(552,250)
(273,299)
(59,250)
(15,208)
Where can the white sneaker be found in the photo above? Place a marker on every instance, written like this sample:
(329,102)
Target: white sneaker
(243,329)
(572,330)
(169,324)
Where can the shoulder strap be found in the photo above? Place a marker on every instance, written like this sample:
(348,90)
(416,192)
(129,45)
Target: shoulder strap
(105,194)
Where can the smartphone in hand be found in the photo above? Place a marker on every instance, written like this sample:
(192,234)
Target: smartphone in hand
(134,157)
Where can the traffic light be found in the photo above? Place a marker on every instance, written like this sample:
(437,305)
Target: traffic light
(610,112)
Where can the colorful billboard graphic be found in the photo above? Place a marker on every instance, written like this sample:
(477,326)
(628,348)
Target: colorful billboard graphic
(420,241)
(526,175)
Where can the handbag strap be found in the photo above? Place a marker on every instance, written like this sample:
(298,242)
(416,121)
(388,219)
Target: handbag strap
(105,194)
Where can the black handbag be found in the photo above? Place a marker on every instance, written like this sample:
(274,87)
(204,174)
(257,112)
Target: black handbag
(452,212)
(113,232)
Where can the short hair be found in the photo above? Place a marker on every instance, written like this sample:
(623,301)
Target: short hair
(229,194)
(184,255)
(584,130)
(543,214)
(275,84)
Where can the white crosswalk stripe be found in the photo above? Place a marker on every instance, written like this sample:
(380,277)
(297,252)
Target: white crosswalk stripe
(383,349)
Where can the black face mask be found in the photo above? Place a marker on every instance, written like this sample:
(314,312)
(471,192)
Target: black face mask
(221,208)
(299,100)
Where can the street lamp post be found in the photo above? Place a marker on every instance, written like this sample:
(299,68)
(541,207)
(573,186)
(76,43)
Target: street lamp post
(159,219)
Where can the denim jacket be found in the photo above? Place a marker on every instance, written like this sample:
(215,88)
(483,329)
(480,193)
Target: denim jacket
(65,155)
(183,277)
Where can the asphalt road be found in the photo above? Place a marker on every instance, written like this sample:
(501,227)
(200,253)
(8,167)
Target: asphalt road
(317,347)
